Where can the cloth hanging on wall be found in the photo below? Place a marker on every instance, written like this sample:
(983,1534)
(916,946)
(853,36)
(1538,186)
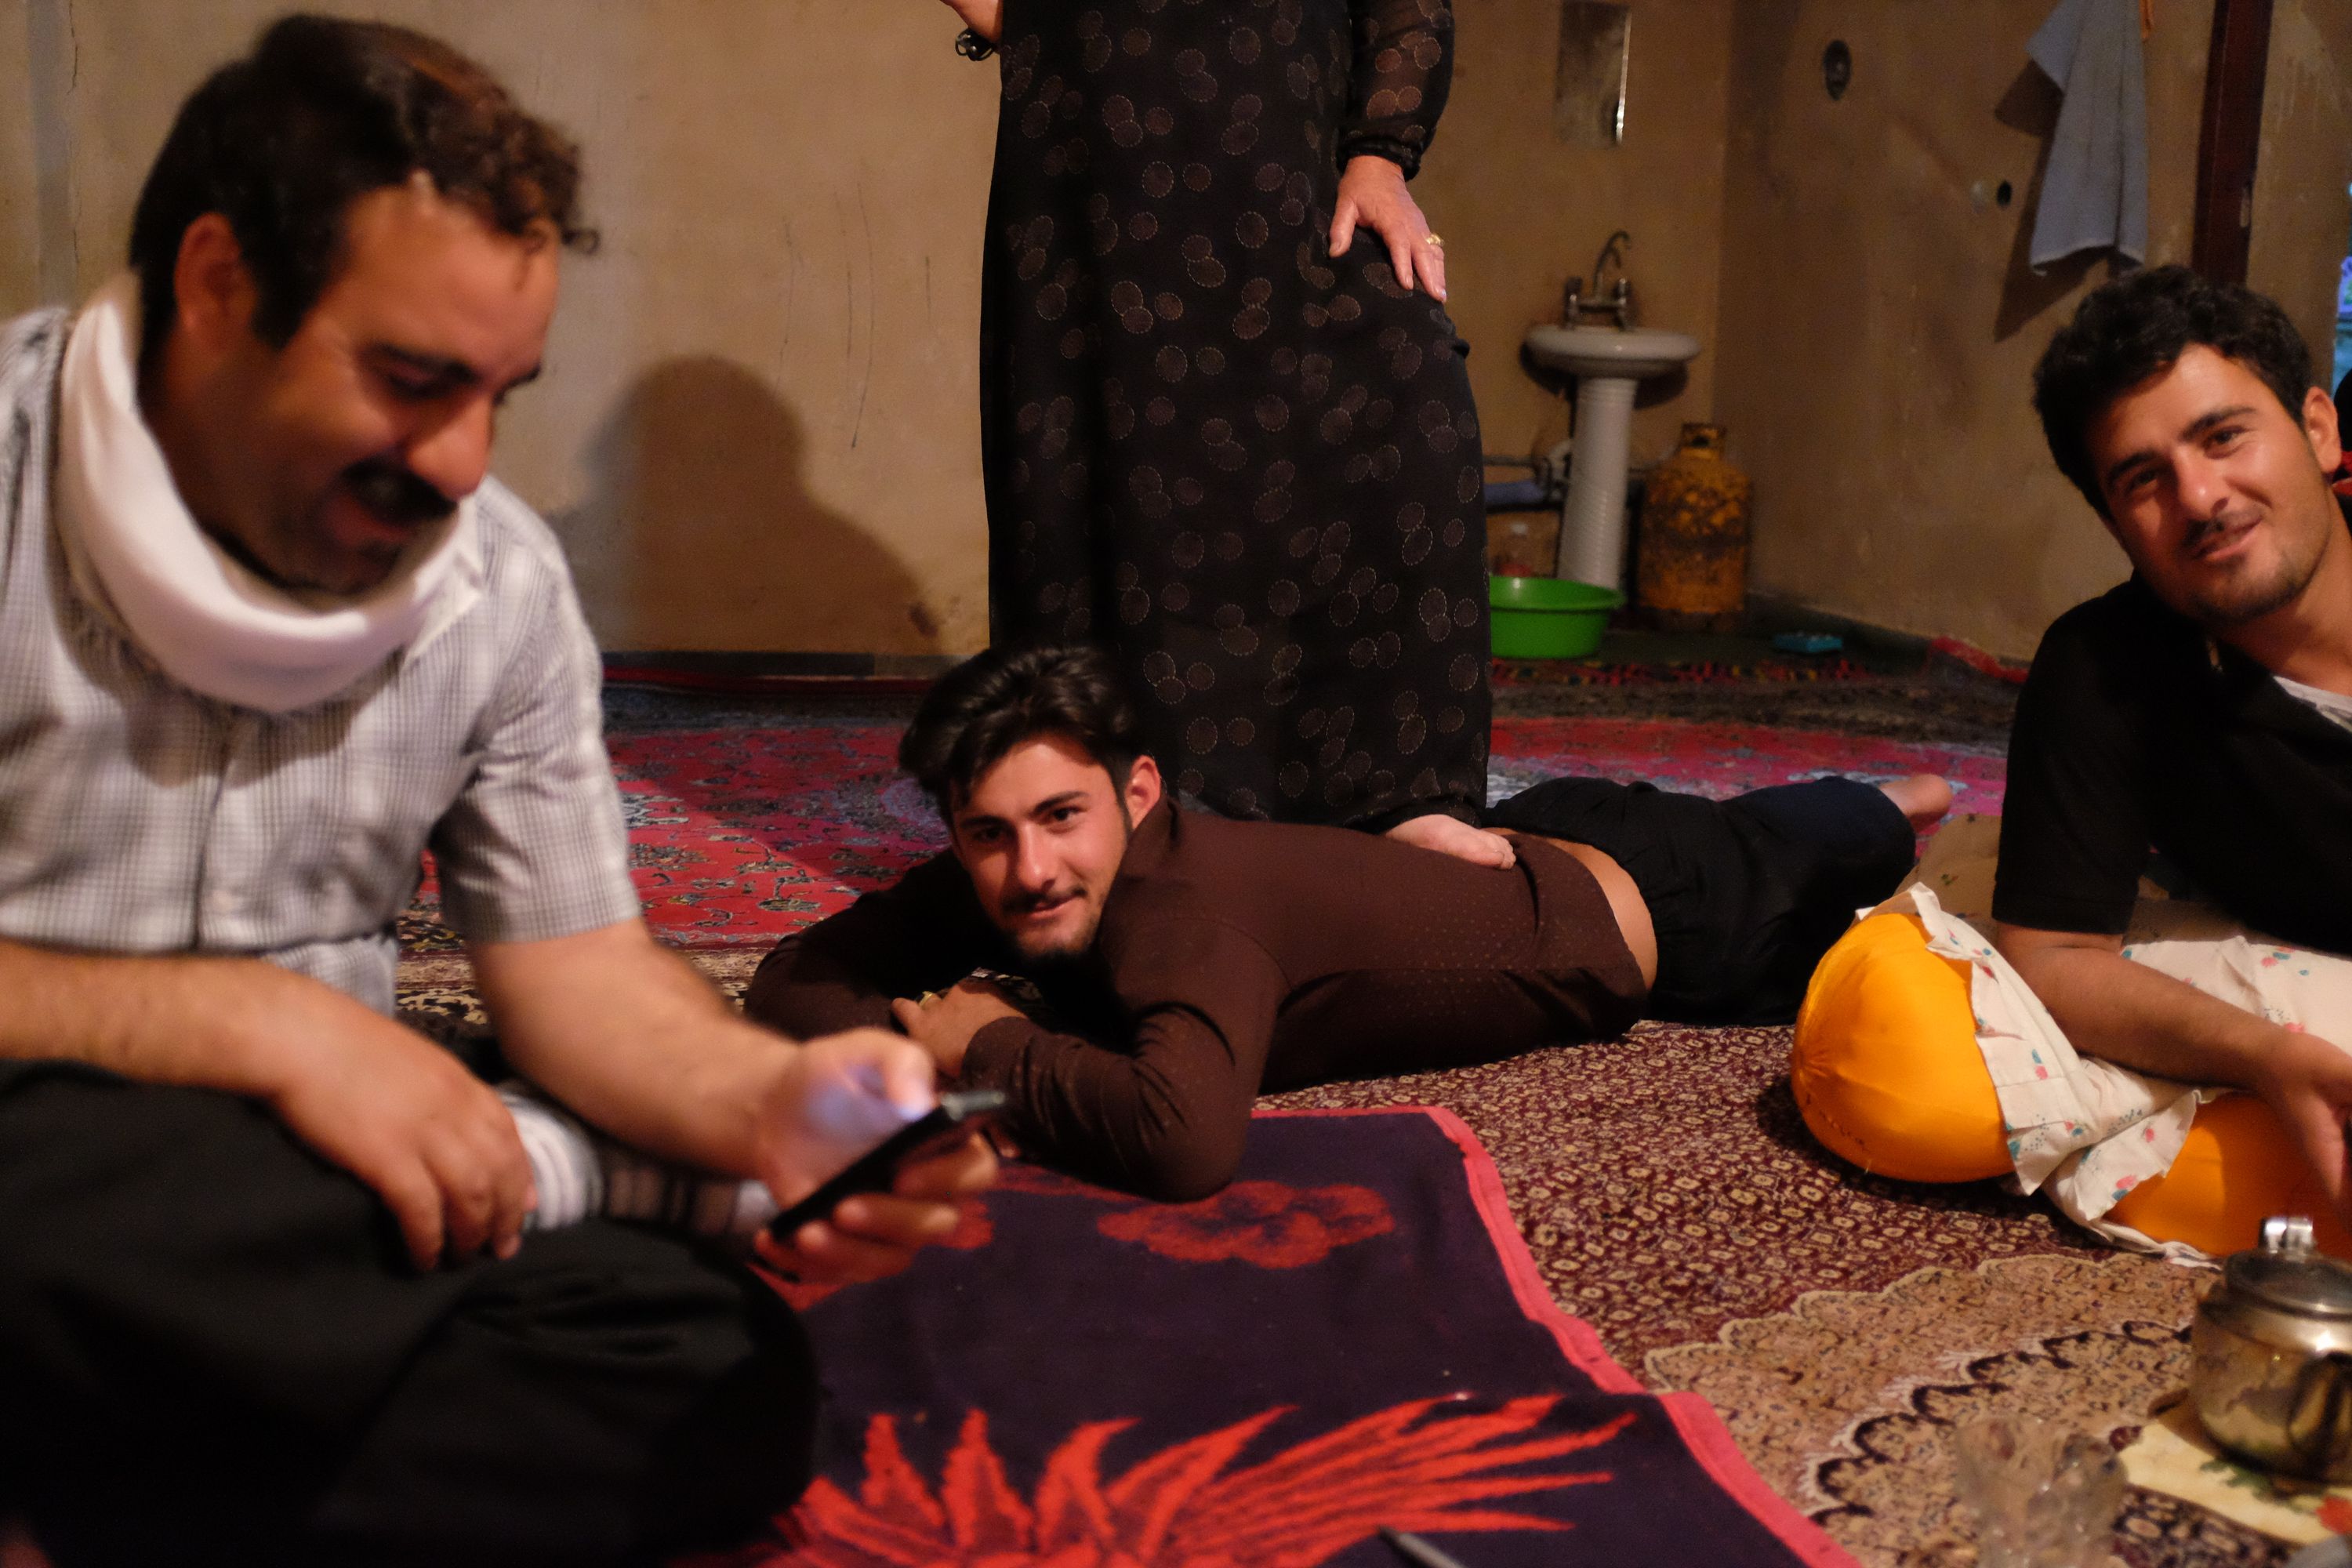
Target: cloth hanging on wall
(2094,191)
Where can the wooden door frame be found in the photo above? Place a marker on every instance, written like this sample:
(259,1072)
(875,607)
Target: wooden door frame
(2235,67)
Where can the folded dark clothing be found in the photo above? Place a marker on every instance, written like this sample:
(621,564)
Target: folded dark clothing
(1746,894)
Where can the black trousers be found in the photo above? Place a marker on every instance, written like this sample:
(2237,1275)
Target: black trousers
(1748,893)
(213,1350)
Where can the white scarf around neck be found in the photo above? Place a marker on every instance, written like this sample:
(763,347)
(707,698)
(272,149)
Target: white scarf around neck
(210,623)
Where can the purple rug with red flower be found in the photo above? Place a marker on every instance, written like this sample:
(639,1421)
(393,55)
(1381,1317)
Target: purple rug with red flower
(742,834)
(1351,1336)
(1663,1183)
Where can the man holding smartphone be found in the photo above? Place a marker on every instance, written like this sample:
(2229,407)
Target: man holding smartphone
(268,631)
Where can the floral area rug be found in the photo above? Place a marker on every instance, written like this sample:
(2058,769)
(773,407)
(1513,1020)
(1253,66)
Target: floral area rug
(1663,1185)
(1843,1324)
(1351,1336)
(739,833)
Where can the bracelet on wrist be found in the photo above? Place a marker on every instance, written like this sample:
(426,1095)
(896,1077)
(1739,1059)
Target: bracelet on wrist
(972,46)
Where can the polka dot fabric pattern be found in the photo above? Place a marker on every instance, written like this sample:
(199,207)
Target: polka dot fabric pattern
(1249,468)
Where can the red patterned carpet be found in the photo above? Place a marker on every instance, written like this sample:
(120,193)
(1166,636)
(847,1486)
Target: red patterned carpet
(738,834)
(1663,1185)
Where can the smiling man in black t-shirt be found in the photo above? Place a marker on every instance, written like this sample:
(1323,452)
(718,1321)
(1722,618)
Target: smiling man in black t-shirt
(2203,709)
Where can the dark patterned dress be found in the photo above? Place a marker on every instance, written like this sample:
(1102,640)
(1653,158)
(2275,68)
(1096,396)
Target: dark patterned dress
(1250,469)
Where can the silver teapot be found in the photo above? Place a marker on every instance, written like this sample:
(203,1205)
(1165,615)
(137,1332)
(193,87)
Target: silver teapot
(2271,1355)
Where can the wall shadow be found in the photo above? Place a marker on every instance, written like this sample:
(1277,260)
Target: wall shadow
(2031,105)
(700,532)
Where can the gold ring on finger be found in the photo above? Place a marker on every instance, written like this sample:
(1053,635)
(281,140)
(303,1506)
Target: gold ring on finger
(1432,239)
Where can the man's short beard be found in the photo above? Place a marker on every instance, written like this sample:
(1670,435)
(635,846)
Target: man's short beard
(1062,955)
(2238,603)
(2223,615)
(1059,956)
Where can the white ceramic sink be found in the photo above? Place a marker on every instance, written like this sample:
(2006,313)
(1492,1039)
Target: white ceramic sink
(1638,353)
(1606,362)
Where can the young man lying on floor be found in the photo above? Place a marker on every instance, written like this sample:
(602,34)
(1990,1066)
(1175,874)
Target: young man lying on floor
(1184,962)
(2203,709)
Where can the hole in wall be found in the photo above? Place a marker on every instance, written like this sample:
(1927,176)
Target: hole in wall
(1837,69)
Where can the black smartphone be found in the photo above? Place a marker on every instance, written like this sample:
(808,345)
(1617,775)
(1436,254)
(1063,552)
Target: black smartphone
(959,1114)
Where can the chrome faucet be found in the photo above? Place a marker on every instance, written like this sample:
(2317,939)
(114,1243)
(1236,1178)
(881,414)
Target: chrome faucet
(1616,301)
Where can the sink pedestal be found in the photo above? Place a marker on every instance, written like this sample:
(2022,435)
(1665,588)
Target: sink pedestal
(1607,363)
(1593,521)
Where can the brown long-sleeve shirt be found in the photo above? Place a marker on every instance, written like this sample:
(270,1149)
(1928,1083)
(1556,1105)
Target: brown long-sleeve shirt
(1232,957)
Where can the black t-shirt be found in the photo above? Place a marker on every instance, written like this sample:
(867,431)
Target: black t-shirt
(2136,730)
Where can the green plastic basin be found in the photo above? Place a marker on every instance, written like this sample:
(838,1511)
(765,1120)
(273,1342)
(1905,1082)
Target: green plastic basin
(1549,617)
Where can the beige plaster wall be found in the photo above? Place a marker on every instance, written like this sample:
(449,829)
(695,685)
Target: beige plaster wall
(758,419)
(2303,217)
(20,226)
(757,428)
(1522,212)
(1879,324)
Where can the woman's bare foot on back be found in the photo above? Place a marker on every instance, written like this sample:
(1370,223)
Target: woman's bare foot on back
(1922,797)
(1452,836)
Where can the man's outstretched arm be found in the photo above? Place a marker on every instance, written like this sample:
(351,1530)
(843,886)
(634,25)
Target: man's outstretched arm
(921,935)
(1164,1109)
(1163,1113)
(2129,1014)
(382,1101)
(631,1039)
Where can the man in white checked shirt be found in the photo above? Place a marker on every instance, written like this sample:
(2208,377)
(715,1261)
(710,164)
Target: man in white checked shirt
(268,630)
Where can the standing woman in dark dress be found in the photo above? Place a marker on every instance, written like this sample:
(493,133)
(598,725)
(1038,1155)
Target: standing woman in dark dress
(1226,425)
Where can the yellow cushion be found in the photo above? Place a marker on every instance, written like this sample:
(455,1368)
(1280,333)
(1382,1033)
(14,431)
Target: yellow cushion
(1886,1073)
(2237,1167)
(1885,1069)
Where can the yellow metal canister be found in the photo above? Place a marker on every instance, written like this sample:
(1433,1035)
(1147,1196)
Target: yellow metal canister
(1692,569)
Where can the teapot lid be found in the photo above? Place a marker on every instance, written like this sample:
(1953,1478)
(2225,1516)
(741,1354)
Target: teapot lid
(2288,1273)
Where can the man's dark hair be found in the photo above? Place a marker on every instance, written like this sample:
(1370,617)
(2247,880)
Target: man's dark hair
(2136,326)
(992,701)
(324,111)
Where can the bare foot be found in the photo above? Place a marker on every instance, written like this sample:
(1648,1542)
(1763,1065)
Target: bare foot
(1922,797)
(1452,836)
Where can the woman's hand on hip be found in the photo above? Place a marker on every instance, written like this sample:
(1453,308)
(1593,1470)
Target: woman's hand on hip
(985,17)
(1372,195)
